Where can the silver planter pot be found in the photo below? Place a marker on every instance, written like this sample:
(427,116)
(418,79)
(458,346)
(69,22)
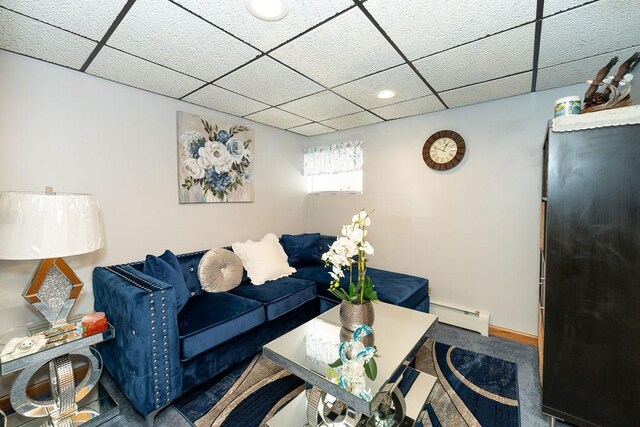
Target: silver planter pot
(354,315)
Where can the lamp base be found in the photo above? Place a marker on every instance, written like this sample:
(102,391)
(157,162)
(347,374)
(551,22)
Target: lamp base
(53,290)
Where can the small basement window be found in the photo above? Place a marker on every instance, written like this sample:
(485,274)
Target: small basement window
(335,168)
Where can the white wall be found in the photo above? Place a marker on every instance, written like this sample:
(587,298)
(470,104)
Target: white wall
(473,231)
(79,133)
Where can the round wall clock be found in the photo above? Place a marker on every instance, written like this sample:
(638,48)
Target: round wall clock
(443,150)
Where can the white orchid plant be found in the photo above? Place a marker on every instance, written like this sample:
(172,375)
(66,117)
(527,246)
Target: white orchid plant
(351,248)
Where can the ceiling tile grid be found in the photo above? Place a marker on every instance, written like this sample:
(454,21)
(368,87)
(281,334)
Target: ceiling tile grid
(426,104)
(312,129)
(362,118)
(128,69)
(264,80)
(233,16)
(29,37)
(589,30)
(91,19)
(488,91)
(321,106)
(168,35)
(346,48)
(552,7)
(581,70)
(496,56)
(220,99)
(277,118)
(402,80)
(326,61)
(421,28)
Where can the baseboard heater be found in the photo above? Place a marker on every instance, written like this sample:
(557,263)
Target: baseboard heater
(474,320)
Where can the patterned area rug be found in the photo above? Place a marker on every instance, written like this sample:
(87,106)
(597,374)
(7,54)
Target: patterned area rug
(473,389)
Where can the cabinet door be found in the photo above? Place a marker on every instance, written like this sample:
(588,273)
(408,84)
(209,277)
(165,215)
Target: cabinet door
(592,319)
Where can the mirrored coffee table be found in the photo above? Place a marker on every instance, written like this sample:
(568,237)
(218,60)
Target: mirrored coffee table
(398,394)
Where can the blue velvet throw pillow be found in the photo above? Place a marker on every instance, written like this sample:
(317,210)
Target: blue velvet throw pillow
(302,249)
(166,267)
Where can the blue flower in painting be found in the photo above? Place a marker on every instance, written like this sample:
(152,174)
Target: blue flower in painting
(196,145)
(235,148)
(223,136)
(218,181)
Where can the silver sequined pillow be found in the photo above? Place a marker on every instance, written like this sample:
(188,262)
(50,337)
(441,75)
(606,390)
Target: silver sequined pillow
(220,270)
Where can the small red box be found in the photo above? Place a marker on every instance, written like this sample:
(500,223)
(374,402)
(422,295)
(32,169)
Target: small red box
(94,324)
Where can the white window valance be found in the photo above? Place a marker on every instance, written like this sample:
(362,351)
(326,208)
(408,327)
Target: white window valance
(333,159)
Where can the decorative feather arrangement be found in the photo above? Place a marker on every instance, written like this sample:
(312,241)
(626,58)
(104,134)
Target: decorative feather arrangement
(616,88)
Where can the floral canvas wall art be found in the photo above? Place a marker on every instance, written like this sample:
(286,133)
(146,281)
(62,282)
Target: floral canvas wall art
(215,161)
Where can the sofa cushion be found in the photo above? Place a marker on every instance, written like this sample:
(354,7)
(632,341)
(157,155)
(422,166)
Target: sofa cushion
(167,269)
(210,319)
(189,264)
(325,243)
(220,270)
(394,288)
(278,296)
(302,249)
(264,260)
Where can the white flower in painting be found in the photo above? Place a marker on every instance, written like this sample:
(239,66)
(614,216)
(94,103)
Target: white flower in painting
(193,169)
(190,139)
(215,155)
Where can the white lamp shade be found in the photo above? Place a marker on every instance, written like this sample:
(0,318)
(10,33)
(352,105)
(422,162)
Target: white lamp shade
(49,225)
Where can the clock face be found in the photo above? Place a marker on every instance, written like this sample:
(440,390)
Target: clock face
(443,150)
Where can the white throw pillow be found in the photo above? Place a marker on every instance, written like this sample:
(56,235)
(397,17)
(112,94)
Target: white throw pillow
(264,260)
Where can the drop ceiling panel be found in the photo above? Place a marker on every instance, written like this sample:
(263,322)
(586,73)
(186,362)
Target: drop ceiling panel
(165,33)
(555,6)
(321,106)
(269,81)
(124,68)
(362,118)
(29,37)
(581,70)
(590,30)
(421,28)
(88,18)
(278,118)
(312,129)
(233,16)
(344,49)
(402,80)
(488,91)
(496,56)
(220,99)
(423,105)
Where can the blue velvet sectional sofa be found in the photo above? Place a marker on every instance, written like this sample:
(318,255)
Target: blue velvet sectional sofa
(159,353)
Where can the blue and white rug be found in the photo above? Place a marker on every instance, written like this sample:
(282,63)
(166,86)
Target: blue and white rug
(473,389)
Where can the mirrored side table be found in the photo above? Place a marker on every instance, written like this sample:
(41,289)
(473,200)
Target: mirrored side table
(68,404)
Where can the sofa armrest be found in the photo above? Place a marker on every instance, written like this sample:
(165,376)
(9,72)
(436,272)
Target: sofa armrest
(144,356)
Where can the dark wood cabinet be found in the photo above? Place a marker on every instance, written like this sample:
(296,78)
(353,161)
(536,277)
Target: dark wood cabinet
(590,277)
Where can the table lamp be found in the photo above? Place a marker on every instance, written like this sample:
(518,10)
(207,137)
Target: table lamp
(49,226)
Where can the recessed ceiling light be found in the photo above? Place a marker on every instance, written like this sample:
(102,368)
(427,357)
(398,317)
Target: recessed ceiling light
(386,94)
(268,10)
